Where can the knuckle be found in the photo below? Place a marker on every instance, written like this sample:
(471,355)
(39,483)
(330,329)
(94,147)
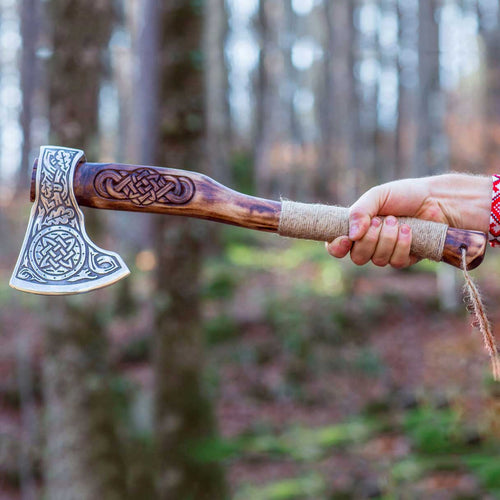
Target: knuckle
(404,241)
(389,240)
(371,236)
(356,213)
(390,231)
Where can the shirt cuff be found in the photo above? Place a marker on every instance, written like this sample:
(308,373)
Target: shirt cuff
(494,233)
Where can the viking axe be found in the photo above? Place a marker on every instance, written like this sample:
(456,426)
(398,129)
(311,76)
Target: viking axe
(58,257)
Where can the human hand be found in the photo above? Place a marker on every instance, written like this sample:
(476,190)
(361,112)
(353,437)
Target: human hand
(459,200)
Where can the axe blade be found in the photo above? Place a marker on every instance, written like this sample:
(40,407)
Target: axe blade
(57,256)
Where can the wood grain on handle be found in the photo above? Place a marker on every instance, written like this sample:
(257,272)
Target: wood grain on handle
(180,192)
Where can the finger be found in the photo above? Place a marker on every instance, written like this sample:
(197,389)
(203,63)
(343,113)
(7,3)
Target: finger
(386,242)
(401,255)
(362,211)
(363,249)
(339,247)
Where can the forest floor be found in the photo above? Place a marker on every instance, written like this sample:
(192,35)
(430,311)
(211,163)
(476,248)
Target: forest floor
(399,406)
(329,381)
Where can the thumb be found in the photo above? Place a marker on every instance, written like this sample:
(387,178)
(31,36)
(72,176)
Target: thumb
(363,210)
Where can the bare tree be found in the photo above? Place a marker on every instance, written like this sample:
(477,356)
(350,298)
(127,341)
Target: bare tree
(430,137)
(29,419)
(294,182)
(146,82)
(405,128)
(271,73)
(215,72)
(339,107)
(29,15)
(183,416)
(81,458)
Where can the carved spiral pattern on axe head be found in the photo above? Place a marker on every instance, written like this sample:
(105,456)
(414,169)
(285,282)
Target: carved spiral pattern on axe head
(144,186)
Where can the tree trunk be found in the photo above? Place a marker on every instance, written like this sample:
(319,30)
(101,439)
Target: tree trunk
(431,151)
(269,141)
(183,417)
(405,125)
(81,459)
(217,116)
(340,108)
(29,419)
(29,23)
(146,83)
(430,137)
(295,181)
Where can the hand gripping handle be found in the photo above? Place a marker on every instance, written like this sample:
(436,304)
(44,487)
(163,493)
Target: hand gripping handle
(430,240)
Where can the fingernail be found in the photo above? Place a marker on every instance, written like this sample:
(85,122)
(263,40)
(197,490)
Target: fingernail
(405,229)
(376,222)
(391,221)
(353,231)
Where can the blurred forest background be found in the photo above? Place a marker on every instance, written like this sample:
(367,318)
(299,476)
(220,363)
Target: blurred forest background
(232,364)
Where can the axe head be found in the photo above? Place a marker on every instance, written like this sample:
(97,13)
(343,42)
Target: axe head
(57,256)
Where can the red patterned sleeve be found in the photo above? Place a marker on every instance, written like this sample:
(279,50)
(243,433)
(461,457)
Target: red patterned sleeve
(494,235)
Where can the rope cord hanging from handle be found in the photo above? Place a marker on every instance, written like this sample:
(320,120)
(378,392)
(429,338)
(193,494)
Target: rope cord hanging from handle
(476,307)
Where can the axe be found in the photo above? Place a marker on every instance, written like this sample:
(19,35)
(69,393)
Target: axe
(58,257)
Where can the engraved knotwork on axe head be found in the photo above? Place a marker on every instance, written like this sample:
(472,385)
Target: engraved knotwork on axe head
(57,256)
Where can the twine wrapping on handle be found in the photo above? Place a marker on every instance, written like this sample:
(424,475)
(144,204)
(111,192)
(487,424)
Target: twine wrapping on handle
(325,223)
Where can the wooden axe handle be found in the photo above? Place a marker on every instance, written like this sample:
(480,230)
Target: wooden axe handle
(170,191)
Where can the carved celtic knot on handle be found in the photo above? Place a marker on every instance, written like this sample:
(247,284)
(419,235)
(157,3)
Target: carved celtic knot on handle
(144,186)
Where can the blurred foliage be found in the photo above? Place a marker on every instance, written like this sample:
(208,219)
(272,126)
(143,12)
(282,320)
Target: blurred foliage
(297,443)
(438,438)
(435,431)
(136,350)
(487,468)
(440,441)
(307,486)
(241,165)
(220,329)
(220,282)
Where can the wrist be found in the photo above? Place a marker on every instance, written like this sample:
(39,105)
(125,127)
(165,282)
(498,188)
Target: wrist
(464,199)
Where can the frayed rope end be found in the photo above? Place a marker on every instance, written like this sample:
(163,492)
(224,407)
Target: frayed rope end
(477,309)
